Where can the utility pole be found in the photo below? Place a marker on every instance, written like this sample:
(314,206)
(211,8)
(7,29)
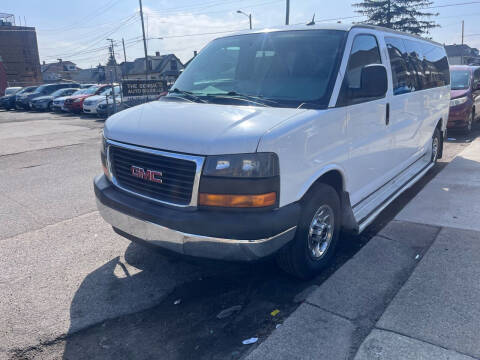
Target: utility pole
(463,28)
(112,85)
(144,41)
(389,14)
(125,58)
(287,15)
(113,57)
(113,94)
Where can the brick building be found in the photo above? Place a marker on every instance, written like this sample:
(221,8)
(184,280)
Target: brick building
(19,53)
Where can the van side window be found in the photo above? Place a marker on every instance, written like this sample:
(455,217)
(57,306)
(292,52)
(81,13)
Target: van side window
(364,52)
(402,80)
(415,63)
(436,66)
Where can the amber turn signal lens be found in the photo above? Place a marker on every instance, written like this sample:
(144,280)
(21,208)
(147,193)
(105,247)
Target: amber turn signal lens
(238,201)
(105,171)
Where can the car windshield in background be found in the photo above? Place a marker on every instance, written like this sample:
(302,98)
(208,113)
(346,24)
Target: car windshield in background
(80,92)
(10,91)
(284,68)
(59,92)
(91,90)
(460,79)
(40,89)
(29,90)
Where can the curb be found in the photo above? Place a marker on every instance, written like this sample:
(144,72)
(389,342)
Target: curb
(340,316)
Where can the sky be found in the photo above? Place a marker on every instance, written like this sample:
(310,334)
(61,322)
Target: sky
(78,30)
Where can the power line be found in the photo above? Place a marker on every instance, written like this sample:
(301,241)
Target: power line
(449,5)
(97,40)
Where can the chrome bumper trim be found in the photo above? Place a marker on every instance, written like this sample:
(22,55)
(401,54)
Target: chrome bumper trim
(195,245)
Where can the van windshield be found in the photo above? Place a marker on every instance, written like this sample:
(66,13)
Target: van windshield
(285,68)
(460,79)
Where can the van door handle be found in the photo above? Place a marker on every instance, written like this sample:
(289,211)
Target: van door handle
(387,115)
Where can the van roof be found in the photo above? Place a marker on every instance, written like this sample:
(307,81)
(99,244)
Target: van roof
(334,26)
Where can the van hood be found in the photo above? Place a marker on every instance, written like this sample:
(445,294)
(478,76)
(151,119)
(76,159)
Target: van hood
(458,93)
(194,128)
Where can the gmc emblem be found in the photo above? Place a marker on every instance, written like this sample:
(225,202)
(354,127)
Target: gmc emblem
(149,175)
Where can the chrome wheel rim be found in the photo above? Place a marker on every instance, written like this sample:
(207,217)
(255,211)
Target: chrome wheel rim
(434,149)
(320,233)
(470,121)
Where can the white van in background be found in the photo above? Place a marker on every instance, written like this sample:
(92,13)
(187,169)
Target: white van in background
(272,141)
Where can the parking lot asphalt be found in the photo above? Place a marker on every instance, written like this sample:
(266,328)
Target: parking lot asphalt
(71,288)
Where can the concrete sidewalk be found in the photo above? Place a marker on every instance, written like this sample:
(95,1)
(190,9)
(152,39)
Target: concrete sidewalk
(411,293)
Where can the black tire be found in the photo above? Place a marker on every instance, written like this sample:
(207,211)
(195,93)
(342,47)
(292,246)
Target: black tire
(468,127)
(50,108)
(296,258)
(436,138)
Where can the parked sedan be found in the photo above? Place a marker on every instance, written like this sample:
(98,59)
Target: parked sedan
(90,104)
(8,101)
(49,89)
(74,103)
(465,97)
(46,102)
(59,102)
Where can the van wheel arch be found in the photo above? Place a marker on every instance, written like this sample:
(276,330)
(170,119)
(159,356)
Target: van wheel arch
(335,179)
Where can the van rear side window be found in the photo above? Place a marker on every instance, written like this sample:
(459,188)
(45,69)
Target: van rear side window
(416,65)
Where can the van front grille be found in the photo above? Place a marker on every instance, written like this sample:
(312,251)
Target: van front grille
(162,178)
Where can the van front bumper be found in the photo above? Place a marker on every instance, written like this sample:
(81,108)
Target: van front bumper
(223,235)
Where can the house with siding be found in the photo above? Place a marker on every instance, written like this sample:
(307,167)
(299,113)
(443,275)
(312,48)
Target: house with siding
(462,54)
(61,70)
(160,67)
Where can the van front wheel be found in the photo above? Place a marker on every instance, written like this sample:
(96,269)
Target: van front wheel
(316,238)
(436,141)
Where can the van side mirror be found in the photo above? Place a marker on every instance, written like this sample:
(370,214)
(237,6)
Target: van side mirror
(373,81)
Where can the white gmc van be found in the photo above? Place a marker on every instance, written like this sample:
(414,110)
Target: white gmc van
(272,141)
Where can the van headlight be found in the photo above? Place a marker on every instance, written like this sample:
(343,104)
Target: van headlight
(240,181)
(256,165)
(458,101)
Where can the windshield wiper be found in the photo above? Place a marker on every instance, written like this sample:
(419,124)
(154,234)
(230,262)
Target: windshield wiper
(250,98)
(187,94)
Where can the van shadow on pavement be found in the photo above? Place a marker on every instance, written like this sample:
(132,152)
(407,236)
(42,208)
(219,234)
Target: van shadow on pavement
(190,330)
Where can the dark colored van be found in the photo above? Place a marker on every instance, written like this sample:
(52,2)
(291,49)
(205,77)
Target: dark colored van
(464,97)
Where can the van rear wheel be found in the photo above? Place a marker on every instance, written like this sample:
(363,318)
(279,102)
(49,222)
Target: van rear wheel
(436,141)
(317,234)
